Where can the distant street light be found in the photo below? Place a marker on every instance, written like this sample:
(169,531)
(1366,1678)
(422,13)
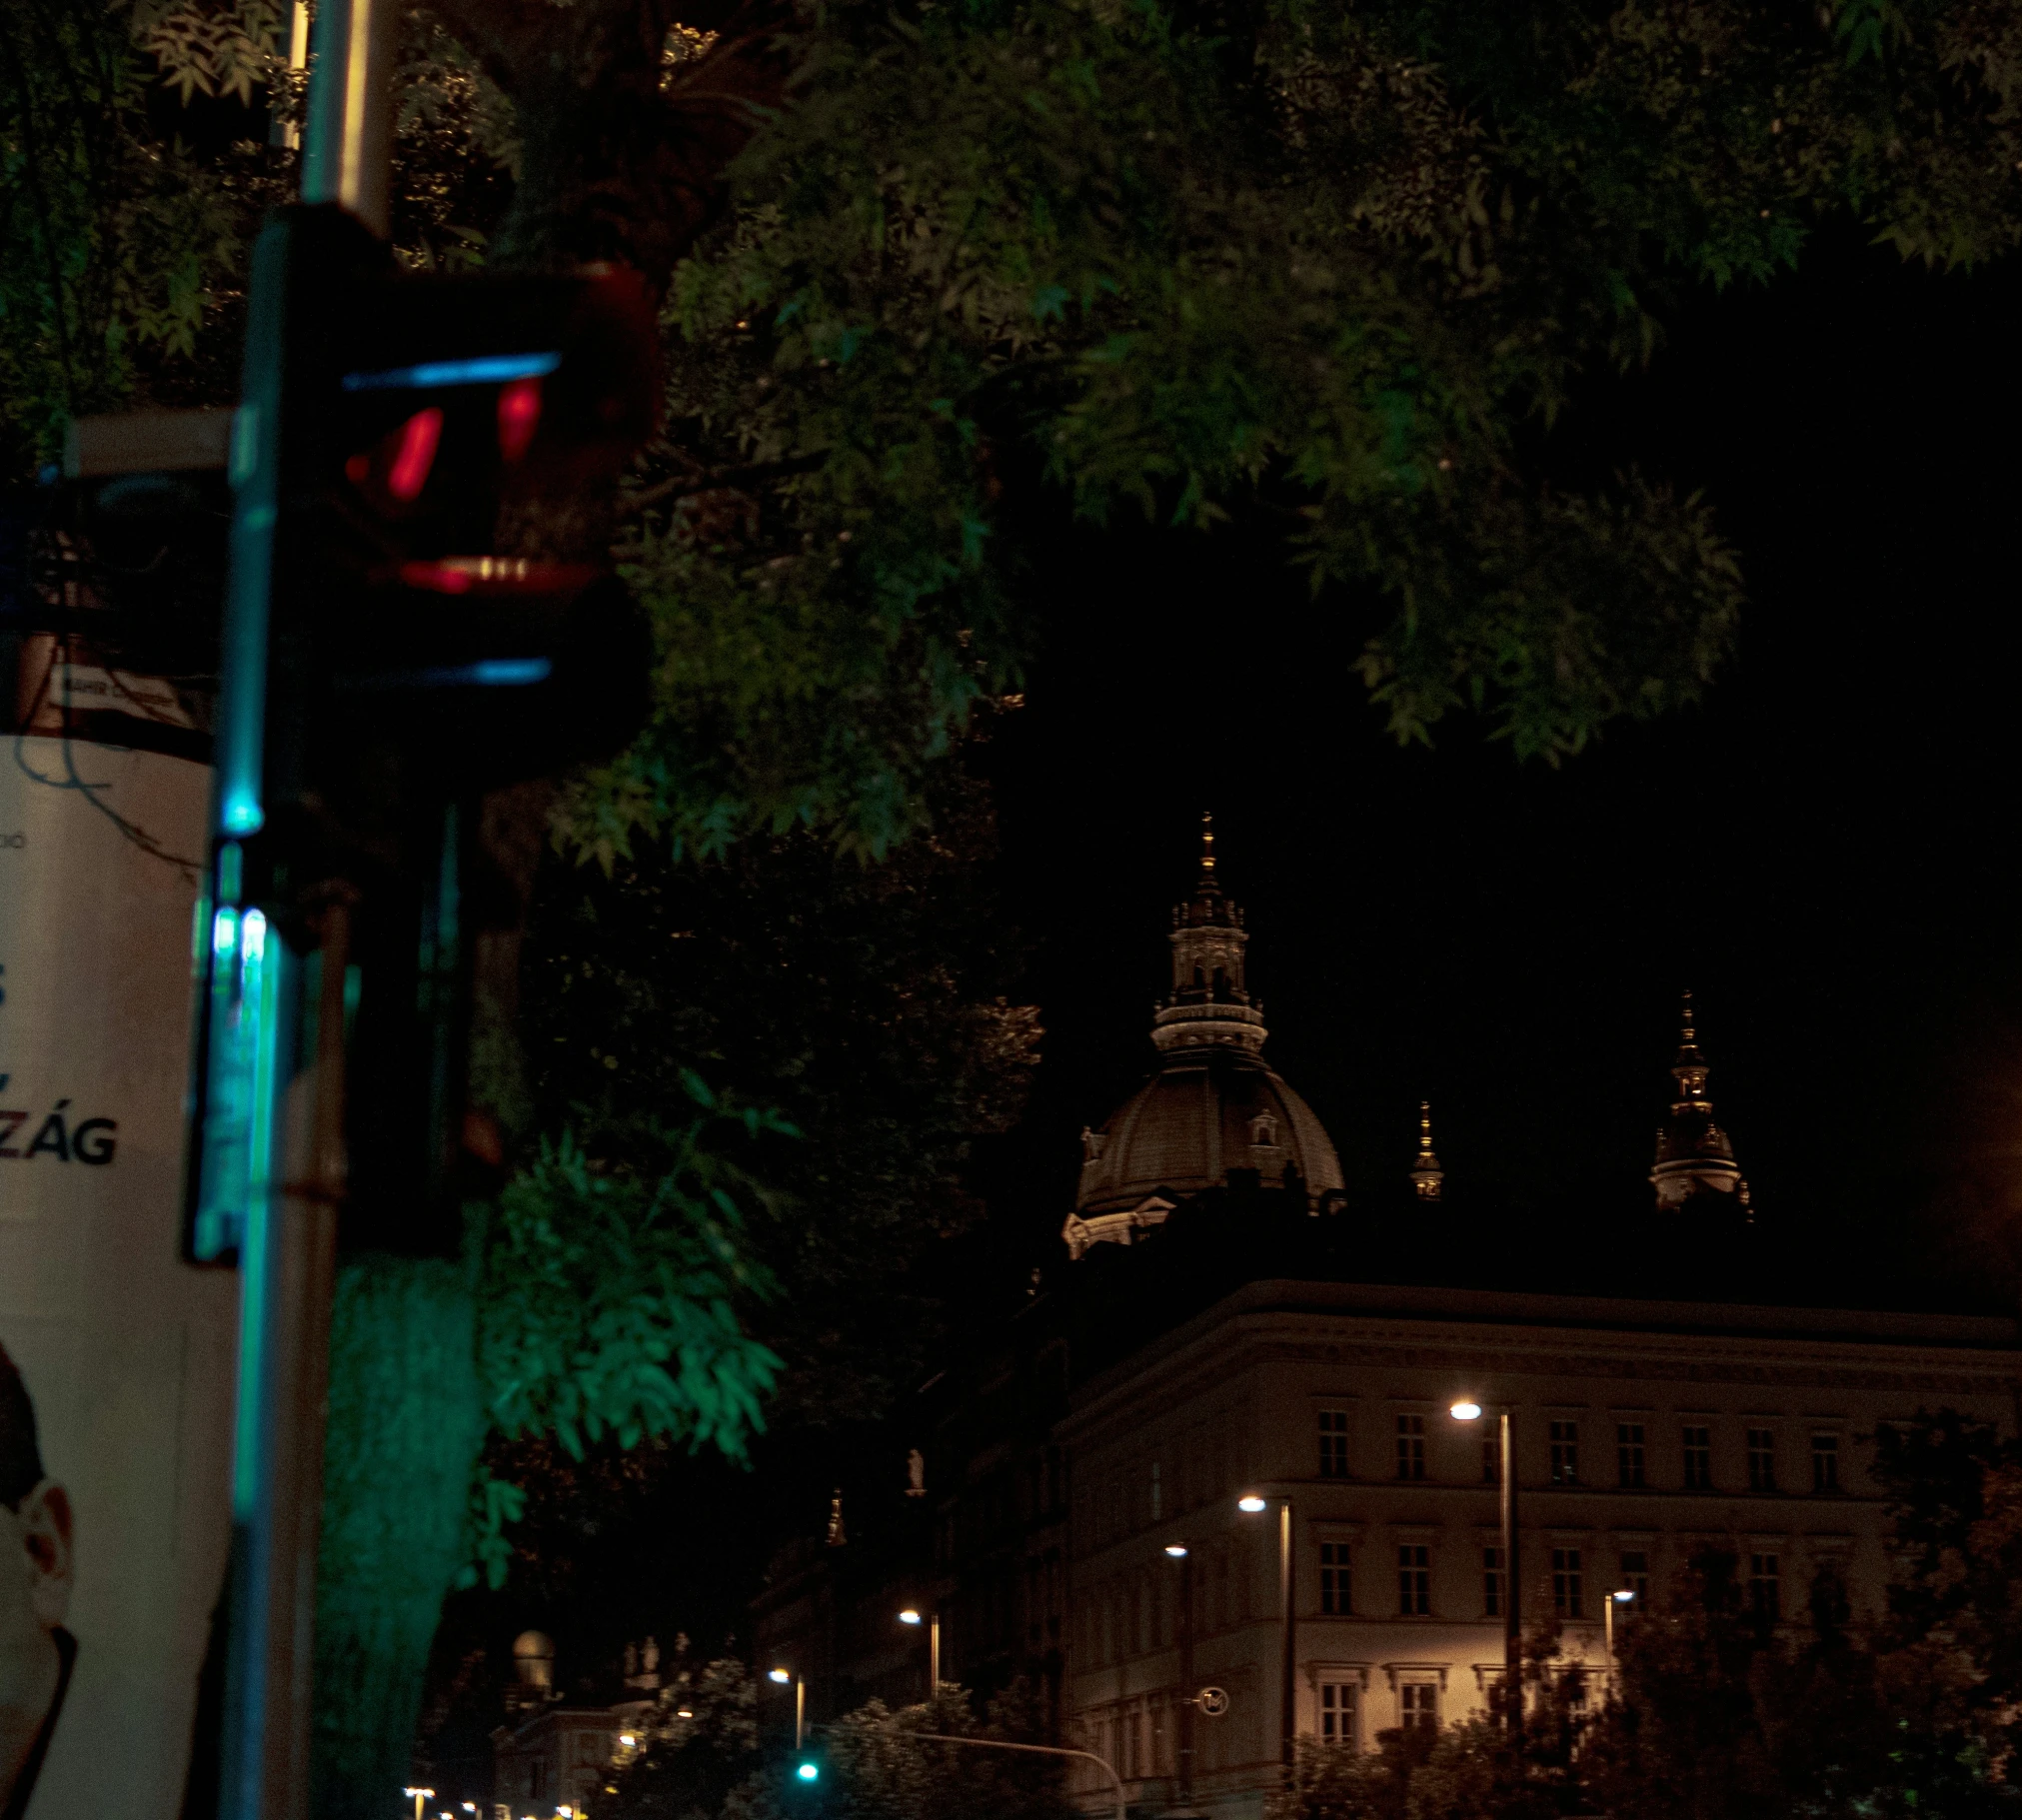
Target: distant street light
(782,1676)
(1623,1597)
(1252,1503)
(1468,1411)
(913,1615)
(420,1795)
(1178,1551)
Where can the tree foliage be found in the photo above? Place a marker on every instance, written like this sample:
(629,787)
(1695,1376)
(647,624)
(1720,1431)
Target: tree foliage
(871,1004)
(1338,265)
(609,1297)
(700,1755)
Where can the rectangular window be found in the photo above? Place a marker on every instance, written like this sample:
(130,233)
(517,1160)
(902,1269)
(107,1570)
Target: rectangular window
(1765,1586)
(1414,1580)
(1698,1459)
(1339,1700)
(1334,1443)
(1629,1453)
(1491,1582)
(1825,1462)
(1419,1706)
(1568,1583)
(1410,1446)
(1336,1587)
(1636,1576)
(1761,1460)
(1565,1453)
(1491,1458)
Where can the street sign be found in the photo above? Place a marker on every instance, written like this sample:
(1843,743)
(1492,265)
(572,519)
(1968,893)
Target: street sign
(1212,1701)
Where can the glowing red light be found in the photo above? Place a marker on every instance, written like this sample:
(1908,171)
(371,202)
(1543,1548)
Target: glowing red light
(416,454)
(519,416)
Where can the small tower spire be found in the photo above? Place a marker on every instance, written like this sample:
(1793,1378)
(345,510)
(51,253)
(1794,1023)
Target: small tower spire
(1695,1157)
(1209,1006)
(1427,1175)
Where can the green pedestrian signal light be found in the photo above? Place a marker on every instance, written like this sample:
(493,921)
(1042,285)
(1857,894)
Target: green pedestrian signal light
(808,1772)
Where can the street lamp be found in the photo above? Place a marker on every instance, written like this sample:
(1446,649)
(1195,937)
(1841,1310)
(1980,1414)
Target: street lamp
(1251,1503)
(913,1615)
(1189,1694)
(419,1795)
(1468,1411)
(782,1676)
(1623,1597)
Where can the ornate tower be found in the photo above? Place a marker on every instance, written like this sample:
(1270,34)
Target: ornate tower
(1427,1175)
(1695,1159)
(1209,1004)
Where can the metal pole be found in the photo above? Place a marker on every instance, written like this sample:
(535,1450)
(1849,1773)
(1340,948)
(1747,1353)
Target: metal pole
(286,1258)
(933,1656)
(1045,1750)
(1289,1675)
(1608,1643)
(1512,1587)
(349,154)
(800,1710)
(1188,1693)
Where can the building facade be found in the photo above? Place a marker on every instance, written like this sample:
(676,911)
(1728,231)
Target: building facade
(1645,1432)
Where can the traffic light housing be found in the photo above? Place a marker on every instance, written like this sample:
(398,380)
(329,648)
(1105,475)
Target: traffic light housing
(394,644)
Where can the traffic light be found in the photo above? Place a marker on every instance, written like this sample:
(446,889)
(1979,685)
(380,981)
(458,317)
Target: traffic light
(393,646)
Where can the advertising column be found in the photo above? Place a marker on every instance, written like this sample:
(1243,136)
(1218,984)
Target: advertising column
(116,1357)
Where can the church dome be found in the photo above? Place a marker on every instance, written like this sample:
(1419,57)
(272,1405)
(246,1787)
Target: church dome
(1215,1110)
(1194,1121)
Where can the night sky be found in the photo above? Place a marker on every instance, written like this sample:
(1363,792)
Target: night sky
(1823,850)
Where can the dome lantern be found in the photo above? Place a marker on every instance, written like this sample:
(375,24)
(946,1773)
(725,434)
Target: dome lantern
(1694,1157)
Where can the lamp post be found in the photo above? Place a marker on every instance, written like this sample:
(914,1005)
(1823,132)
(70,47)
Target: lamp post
(1467,1410)
(1621,1597)
(782,1676)
(1251,1504)
(419,1795)
(1188,1693)
(912,1616)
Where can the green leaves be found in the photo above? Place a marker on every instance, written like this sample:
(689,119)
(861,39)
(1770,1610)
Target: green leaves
(115,244)
(609,1298)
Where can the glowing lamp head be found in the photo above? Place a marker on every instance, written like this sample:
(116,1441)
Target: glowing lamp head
(779,1676)
(1624,1596)
(1252,1503)
(807,1772)
(684,1712)
(1178,1551)
(909,1616)
(1466,1411)
(625,1738)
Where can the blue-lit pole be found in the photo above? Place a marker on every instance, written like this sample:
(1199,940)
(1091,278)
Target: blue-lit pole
(269,1168)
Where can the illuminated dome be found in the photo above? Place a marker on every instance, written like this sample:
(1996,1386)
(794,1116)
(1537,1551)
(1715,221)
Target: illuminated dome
(1214,1111)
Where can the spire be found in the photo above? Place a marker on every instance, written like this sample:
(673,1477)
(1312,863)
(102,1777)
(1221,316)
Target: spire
(1427,1175)
(1209,1006)
(1695,1159)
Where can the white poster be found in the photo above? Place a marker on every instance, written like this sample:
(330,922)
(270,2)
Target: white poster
(116,1358)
